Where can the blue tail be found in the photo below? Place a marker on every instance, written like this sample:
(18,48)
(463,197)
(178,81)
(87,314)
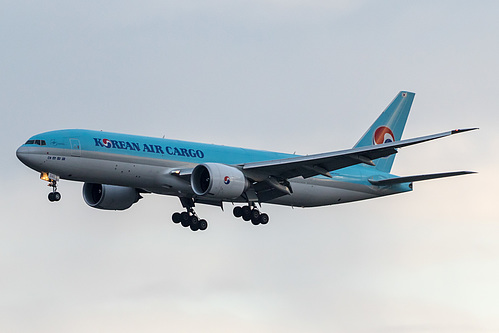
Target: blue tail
(388,127)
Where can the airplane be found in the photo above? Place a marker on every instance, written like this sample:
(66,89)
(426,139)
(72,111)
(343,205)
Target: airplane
(117,169)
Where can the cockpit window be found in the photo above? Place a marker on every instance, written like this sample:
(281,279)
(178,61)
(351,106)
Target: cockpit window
(36,142)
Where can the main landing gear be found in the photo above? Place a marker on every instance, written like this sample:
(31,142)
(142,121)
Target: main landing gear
(251,213)
(54,195)
(189,218)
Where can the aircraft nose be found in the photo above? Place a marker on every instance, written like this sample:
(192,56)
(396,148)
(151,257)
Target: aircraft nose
(22,154)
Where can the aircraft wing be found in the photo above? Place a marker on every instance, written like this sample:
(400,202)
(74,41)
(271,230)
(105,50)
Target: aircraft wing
(321,164)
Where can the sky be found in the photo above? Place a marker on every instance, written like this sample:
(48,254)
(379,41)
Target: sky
(290,76)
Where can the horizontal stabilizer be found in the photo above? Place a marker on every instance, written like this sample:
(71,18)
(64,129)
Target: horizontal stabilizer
(410,179)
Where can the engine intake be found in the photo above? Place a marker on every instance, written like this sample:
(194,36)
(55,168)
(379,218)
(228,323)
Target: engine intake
(218,181)
(109,197)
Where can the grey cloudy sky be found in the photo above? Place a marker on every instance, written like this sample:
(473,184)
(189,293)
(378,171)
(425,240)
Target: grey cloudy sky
(304,76)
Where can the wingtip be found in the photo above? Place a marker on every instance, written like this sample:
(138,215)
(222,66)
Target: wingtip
(461,130)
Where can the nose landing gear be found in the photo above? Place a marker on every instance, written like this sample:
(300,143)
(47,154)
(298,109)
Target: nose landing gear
(54,195)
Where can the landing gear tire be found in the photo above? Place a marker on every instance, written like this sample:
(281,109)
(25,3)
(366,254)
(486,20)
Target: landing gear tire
(245,211)
(237,211)
(193,220)
(184,219)
(176,218)
(203,225)
(194,223)
(254,214)
(54,196)
(264,218)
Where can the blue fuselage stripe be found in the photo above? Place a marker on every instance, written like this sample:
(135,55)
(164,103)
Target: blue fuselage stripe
(140,146)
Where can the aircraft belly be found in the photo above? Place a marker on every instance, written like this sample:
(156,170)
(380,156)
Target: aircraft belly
(91,170)
(109,172)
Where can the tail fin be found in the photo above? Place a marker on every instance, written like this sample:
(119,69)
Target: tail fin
(388,127)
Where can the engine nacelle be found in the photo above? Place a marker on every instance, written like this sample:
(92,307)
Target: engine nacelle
(109,197)
(219,181)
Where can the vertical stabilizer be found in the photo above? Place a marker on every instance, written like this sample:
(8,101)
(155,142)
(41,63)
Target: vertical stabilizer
(388,127)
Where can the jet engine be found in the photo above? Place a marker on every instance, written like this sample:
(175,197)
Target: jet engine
(219,181)
(109,197)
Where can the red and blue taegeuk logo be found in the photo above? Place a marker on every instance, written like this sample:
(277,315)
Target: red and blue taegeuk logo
(226,180)
(382,135)
(106,143)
